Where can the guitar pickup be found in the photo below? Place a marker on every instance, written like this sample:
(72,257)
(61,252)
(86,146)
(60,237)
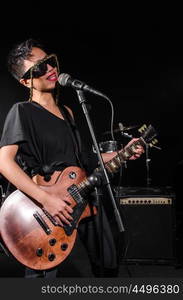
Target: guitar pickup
(73,191)
(42,223)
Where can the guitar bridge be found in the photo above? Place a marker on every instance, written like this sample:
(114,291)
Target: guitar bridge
(42,223)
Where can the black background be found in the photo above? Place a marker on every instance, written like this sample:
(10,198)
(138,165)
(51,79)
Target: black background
(132,54)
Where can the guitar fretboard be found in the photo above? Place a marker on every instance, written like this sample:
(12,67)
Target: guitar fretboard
(111,166)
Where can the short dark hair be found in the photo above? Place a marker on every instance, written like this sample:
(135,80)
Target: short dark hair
(18,54)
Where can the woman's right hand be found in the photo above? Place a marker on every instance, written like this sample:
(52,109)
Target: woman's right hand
(59,209)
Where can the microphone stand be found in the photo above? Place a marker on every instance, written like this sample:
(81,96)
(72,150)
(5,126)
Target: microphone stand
(105,177)
(148,179)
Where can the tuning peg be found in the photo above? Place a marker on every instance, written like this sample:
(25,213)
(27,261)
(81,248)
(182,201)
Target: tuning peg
(153,143)
(142,128)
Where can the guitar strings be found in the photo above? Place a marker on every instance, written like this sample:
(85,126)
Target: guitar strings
(119,155)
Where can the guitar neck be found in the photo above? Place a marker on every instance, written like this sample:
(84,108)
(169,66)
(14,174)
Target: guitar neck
(111,166)
(115,163)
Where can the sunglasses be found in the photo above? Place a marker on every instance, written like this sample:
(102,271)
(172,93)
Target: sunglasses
(40,68)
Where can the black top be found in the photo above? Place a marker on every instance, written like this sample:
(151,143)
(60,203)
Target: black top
(46,142)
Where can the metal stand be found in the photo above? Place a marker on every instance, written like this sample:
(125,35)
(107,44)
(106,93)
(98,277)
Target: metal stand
(105,181)
(99,196)
(105,177)
(148,160)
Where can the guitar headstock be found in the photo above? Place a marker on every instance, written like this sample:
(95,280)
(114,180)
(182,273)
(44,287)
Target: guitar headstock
(148,134)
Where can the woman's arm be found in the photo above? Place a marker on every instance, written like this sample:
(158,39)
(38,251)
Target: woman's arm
(14,174)
(139,150)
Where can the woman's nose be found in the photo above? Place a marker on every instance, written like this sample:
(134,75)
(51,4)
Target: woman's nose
(49,67)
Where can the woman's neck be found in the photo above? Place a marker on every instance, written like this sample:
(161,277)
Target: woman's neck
(44,99)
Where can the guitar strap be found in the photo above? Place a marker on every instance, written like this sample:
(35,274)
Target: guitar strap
(74,133)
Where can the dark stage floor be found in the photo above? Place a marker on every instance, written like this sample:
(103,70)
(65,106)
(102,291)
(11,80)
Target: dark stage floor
(77,265)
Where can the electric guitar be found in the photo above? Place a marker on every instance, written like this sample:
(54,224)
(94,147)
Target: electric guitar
(32,235)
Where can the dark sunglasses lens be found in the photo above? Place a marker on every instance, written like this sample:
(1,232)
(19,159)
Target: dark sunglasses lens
(39,70)
(51,61)
(27,75)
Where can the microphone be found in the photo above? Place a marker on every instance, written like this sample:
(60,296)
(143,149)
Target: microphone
(66,80)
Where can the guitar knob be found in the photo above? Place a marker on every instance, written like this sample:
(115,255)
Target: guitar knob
(72,175)
(51,257)
(64,246)
(52,242)
(39,252)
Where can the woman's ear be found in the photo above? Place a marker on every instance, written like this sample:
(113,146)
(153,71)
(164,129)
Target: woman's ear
(25,82)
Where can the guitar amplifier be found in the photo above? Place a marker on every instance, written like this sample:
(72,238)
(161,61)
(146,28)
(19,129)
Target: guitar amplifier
(148,217)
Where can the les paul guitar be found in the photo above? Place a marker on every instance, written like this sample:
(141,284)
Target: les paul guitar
(32,235)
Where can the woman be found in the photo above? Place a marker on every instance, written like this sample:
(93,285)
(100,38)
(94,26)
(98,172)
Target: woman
(40,139)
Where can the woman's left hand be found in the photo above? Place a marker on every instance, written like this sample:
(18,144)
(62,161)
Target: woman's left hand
(139,150)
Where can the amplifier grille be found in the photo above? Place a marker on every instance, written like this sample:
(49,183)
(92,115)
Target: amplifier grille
(145,201)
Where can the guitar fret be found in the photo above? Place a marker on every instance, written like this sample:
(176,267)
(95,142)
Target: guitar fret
(84,185)
(127,154)
(118,160)
(111,166)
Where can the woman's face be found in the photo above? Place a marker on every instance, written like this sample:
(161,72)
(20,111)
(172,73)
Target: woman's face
(45,82)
